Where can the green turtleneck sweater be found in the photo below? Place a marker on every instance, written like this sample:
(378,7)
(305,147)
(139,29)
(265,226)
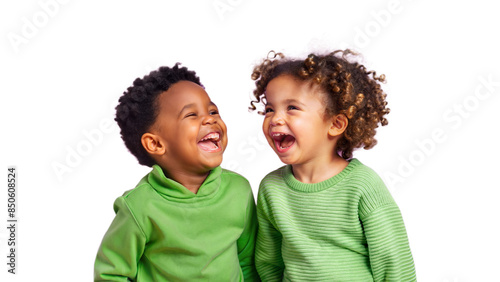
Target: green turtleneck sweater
(164,232)
(346,228)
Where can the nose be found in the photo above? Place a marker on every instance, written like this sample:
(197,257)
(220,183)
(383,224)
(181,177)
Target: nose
(209,119)
(276,120)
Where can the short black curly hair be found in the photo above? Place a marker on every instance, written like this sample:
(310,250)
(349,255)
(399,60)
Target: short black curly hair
(350,90)
(138,106)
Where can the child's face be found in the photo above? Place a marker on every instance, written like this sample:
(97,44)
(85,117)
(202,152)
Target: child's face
(190,127)
(295,124)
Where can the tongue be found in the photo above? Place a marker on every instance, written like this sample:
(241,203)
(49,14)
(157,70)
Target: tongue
(207,145)
(287,141)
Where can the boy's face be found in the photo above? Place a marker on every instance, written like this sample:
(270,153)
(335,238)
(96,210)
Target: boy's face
(295,125)
(190,128)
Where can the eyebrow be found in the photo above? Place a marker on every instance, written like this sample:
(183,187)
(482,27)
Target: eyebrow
(293,101)
(289,101)
(191,105)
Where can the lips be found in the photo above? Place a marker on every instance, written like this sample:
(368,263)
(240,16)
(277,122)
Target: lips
(210,142)
(282,141)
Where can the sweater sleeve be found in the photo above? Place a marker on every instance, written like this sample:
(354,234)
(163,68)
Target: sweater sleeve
(268,259)
(388,247)
(246,242)
(121,248)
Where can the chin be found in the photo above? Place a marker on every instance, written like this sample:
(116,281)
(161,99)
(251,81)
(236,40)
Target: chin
(213,163)
(287,160)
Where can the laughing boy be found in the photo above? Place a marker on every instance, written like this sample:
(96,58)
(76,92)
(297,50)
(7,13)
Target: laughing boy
(188,219)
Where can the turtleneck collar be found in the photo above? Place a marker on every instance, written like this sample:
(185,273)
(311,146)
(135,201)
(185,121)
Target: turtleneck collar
(176,191)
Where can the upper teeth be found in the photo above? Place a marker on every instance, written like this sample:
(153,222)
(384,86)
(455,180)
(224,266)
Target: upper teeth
(278,134)
(214,136)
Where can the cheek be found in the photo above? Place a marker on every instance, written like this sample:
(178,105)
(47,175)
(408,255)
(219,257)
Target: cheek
(300,125)
(189,132)
(225,140)
(307,129)
(265,130)
(223,126)
(265,126)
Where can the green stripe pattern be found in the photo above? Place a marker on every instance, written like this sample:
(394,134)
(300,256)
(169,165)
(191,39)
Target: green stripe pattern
(346,228)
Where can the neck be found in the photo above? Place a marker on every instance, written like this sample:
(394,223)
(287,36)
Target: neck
(192,181)
(319,169)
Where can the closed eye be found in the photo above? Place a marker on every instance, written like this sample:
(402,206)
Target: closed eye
(190,115)
(214,112)
(292,108)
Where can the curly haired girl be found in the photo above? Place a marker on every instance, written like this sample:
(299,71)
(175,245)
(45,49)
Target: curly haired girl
(325,216)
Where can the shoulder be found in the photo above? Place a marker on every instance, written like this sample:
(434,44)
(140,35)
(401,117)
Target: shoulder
(275,176)
(235,181)
(365,178)
(130,207)
(233,176)
(273,184)
(371,188)
(136,197)
(365,172)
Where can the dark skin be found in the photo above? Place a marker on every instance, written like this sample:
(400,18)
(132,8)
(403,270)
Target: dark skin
(188,137)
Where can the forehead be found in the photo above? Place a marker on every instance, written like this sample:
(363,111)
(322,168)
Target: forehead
(181,94)
(287,86)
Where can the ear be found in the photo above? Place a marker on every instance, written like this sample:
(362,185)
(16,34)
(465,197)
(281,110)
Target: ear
(153,144)
(338,125)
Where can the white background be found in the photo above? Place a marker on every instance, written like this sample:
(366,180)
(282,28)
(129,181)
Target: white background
(65,64)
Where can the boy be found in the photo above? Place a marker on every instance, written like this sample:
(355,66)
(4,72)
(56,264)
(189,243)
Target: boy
(188,219)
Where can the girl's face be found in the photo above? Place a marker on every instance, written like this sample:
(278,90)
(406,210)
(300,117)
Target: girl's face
(295,124)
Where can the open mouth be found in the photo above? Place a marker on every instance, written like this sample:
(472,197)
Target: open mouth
(283,142)
(210,143)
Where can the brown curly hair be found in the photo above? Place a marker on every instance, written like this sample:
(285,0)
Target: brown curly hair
(350,90)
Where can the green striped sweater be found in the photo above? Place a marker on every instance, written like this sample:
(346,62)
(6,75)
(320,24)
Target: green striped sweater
(346,228)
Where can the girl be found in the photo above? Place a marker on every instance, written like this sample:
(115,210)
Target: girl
(325,216)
